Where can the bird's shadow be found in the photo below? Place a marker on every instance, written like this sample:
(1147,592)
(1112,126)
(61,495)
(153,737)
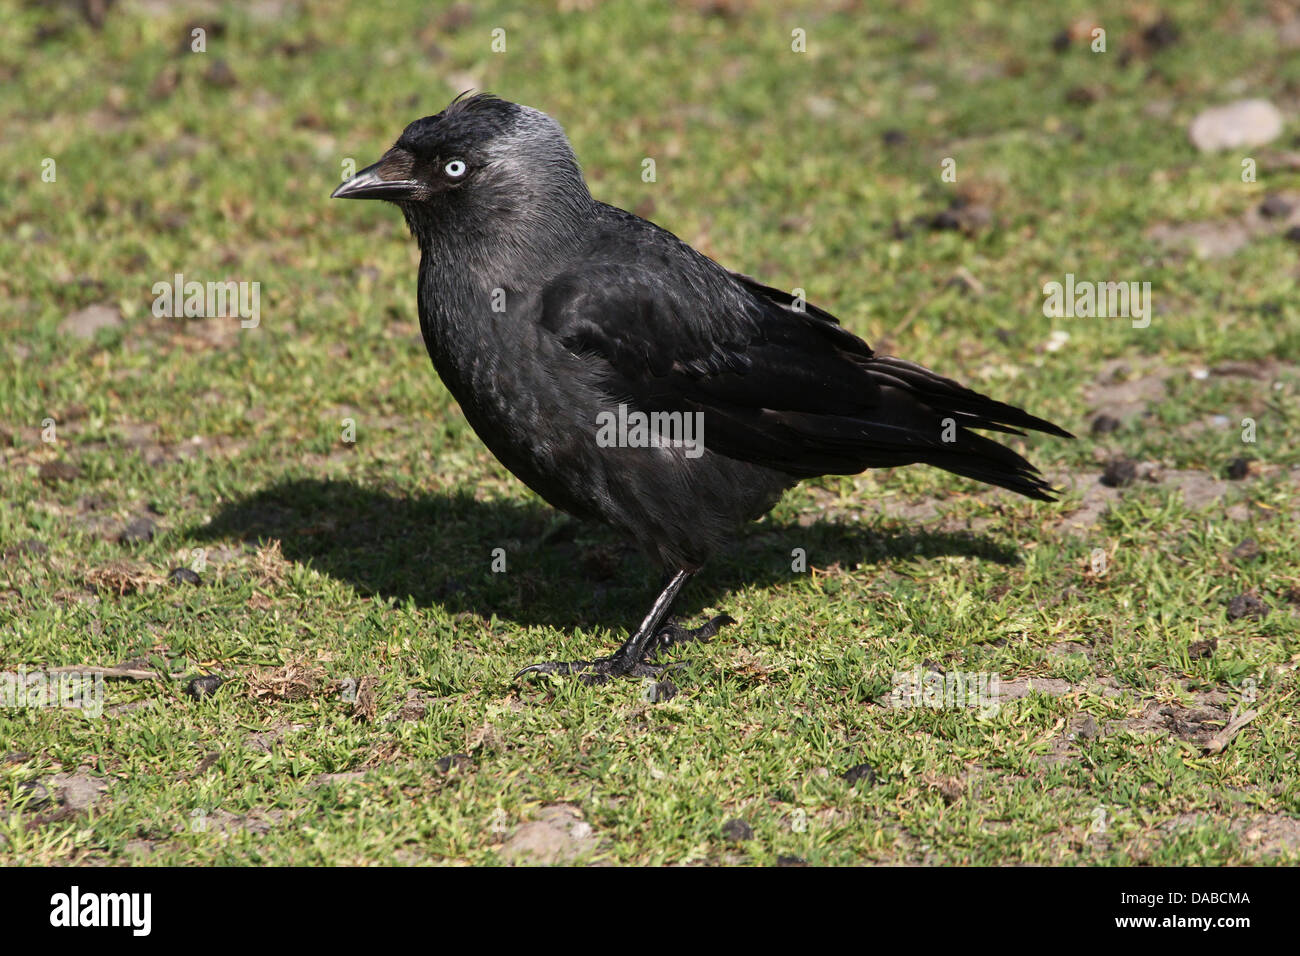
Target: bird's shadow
(526,563)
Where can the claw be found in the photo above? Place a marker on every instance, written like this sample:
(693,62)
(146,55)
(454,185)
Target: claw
(554,667)
(594,672)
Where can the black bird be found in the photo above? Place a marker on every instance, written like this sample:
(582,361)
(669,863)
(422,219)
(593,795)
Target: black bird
(545,310)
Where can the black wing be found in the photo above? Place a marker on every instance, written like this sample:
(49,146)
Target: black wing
(780,385)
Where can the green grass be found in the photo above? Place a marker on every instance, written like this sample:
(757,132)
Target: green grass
(774,163)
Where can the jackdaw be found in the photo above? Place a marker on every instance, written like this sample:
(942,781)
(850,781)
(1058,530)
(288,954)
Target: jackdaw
(587,346)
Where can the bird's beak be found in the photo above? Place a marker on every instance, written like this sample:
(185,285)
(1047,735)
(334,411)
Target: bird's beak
(390,179)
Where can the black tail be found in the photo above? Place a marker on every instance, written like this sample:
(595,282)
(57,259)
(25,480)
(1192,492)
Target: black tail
(955,410)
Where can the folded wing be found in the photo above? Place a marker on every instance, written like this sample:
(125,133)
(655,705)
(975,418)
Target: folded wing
(780,384)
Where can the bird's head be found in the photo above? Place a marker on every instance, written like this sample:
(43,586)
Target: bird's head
(484,165)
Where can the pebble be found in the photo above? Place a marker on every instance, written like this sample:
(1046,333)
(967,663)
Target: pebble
(860,772)
(183,575)
(1119,473)
(203,686)
(1105,424)
(737,830)
(1243,123)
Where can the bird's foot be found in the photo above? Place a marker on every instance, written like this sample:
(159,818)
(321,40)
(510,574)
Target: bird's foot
(672,634)
(622,664)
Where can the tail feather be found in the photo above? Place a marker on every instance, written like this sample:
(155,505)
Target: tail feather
(933,397)
(943,394)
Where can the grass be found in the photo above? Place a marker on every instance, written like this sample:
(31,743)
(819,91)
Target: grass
(347,595)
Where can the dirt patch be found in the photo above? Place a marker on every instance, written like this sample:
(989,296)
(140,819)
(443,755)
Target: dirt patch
(558,835)
(1123,392)
(1220,238)
(226,824)
(77,791)
(1194,725)
(1022,687)
(1096,499)
(1269,835)
(1199,489)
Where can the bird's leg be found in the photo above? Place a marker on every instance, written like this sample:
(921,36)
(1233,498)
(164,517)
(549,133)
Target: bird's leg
(652,637)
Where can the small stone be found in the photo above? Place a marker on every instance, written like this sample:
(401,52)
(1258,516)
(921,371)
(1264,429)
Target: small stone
(203,686)
(786,860)
(860,772)
(137,530)
(737,830)
(1243,123)
(1119,473)
(184,575)
(1105,424)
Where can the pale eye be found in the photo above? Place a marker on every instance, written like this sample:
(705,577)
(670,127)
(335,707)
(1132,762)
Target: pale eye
(455,169)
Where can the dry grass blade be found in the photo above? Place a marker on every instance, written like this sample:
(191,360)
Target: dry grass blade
(296,680)
(1221,740)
